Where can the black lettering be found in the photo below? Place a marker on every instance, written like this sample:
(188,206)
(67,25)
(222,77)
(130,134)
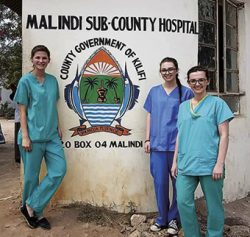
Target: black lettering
(43,22)
(89,21)
(97,144)
(65,22)
(103,23)
(137,24)
(179,25)
(91,43)
(96,41)
(193,28)
(113,43)
(152,21)
(168,26)
(68,144)
(162,24)
(174,25)
(113,23)
(74,22)
(82,144)
(31,22)
(88,144)
(64,77)
(107,41)
(113,144)
(97,23)
(50,23)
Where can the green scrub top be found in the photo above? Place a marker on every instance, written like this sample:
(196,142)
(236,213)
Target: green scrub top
(198,135)
(40,100)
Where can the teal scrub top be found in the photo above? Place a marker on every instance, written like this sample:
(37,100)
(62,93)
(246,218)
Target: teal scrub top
(198,135)
(40,100)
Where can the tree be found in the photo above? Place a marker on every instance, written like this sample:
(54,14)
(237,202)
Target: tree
(91,83)
(112,84)
(10,47)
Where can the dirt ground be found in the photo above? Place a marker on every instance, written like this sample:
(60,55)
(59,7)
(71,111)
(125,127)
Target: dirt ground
(84,220)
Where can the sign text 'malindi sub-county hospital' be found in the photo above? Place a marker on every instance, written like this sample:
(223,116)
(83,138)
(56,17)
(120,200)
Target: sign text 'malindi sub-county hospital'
(116,23)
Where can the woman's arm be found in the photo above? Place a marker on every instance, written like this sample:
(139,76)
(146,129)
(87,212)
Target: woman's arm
(26,143)
(223,145)
(174,165)
(147,140)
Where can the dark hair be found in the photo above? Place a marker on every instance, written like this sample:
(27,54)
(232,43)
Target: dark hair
(40,48)
(174,61)
(197,69)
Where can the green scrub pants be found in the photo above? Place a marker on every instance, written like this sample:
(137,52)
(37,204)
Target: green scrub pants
(37,194)
(186,186)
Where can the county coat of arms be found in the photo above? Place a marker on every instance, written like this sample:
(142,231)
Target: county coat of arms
(100,94)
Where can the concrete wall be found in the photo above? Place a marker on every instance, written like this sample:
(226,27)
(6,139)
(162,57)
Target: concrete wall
(237,182)
(118,177)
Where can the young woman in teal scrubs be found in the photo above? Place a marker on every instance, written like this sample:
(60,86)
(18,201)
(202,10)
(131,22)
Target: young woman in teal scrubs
(39,137)
(201,147)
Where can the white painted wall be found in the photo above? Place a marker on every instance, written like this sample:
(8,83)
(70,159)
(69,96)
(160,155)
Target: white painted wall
(237,183)
(118,176)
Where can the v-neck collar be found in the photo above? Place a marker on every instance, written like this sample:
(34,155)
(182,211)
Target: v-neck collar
(166,91)
(37,81)
(193,111)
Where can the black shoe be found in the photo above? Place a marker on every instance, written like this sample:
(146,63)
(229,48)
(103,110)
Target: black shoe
(31,221)
(43,223)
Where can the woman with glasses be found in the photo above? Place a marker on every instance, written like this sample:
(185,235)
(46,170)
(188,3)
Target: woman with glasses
(39,137)
(201,147)
(162,105)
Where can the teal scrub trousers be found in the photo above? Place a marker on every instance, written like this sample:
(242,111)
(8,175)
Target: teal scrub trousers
(186,186)
(37,194)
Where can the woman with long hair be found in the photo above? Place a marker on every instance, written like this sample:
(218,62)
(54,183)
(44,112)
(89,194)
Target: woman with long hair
(162,106)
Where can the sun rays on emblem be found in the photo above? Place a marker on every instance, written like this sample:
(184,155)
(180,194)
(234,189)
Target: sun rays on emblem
(101,68)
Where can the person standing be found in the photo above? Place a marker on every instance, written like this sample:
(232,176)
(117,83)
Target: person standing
(39,137)
(162,105)
(17,124)
(201,147)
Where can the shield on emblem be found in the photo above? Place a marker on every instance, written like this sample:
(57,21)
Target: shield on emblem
(101,88)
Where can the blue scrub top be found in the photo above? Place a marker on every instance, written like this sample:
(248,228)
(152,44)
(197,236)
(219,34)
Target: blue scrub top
(198,137)
(40,100)
(163,109)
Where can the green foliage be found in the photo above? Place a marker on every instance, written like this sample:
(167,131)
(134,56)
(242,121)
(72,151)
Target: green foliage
(10,47)
(6,111)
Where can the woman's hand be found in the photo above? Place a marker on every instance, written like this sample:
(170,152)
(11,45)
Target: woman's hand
(147,146)
(59,132)
(174,169)
(26,144)
(218,171)
(223,145)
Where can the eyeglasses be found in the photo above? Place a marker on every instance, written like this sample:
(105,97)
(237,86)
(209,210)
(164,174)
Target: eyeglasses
(168,71)
(200,81)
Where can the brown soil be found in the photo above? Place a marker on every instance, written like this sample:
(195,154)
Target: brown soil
(73,220)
